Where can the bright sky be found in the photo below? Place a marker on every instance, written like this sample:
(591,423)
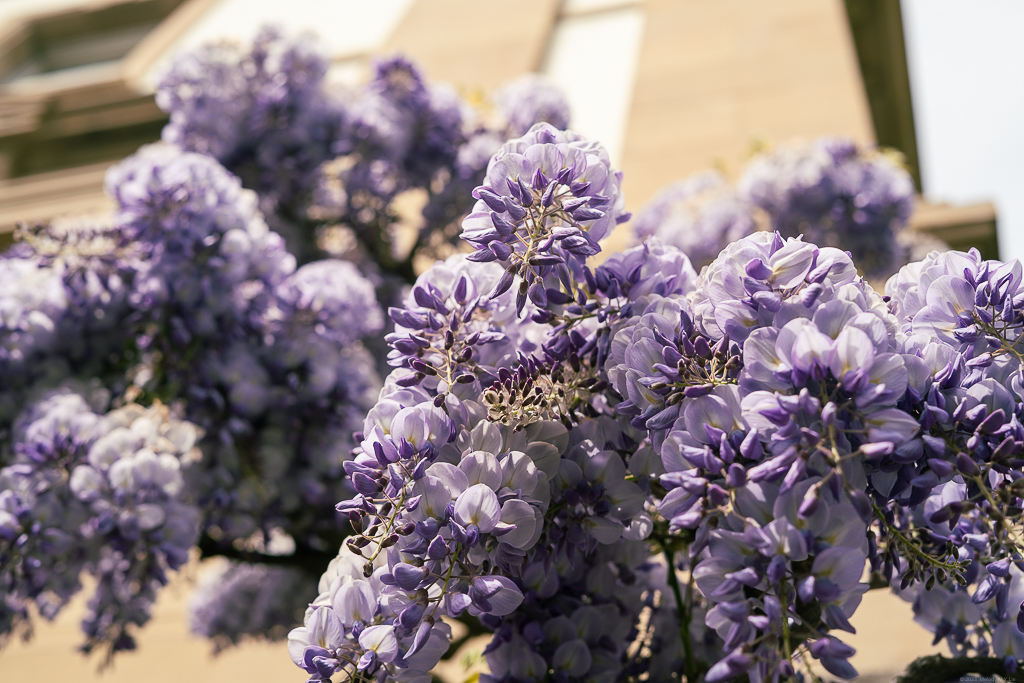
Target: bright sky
(967,82)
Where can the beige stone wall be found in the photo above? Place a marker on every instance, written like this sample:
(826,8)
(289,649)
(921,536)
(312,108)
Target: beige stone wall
(715,77)
(456,43)
(167,652)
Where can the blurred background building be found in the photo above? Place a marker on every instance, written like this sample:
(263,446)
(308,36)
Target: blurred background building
(671,87)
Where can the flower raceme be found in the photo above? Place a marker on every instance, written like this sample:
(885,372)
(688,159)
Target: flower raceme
(449,504)
(200,293)
(626,471)
(191,294)
(321,157)
(547,199)
(774,427)
(835,195)
(100,493)
(700,215)
(830,191)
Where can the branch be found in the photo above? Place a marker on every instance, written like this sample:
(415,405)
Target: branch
(683,614)
(305,558)
(473,629)
(936,669)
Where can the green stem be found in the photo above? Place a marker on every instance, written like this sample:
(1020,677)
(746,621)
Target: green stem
(787,652)
(982,485)
(907,544)
(684,614)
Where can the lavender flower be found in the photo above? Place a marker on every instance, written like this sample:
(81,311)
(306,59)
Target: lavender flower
(101,494)
(31,308)
(834,195)
(700,215)
(238,601)
(577,619)
(521,103)
(333,299)
(431,118)
(548,198)
(625,471)
(264,113)
(529,100)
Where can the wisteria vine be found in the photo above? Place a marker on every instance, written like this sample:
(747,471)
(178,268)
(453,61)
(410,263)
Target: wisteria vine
(763,435)
(212,292)
(625,470)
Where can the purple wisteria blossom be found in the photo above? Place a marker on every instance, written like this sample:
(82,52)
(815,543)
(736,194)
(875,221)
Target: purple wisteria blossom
(700,215)
(329,163)
(240,600)
(624,470)
(263,113)
(547,200)
(189,300)
(773,413)
(30,309)
(835,195)
(528,100)
(102,494)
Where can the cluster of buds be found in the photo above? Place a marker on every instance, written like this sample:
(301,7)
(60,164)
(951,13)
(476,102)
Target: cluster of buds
(544,389)
(668,362)
(547,200)
(699,366)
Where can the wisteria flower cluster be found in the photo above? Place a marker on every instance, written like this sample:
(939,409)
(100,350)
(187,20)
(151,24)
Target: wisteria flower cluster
(528,100)
(547,200)
(95,492)
(326,161)
(622,469)
(700,216)
(262,113)
(633,469)
(187,299)
(835,195)
(830,191)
